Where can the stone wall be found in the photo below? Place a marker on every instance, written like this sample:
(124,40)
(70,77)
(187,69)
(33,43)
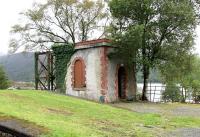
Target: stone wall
(101,75)
(113,67)
(91,58)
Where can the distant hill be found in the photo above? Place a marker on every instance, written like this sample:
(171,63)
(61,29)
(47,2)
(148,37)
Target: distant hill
(154,77)
(19,67)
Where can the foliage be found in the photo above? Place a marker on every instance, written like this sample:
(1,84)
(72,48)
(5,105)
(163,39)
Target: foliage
(195,85)
(157,25)
(171,93)
(176,70)
(193,79)
(59,21)
(184,71)
(62,55)
(124,43)
(4,83)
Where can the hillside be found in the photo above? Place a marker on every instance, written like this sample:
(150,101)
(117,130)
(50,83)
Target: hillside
(19,67)
(63,116)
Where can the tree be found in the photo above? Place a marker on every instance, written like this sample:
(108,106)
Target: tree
(59,21)
(194,79)
(163,24)
(185,72)
(123,40)
(191,81)
(176,70)
(4,83)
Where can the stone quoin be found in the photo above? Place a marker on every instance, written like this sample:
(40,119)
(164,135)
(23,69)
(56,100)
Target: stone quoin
(92,75)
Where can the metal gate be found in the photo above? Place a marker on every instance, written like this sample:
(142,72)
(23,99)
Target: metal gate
(44,71)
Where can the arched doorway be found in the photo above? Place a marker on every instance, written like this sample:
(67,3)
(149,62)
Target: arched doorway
(121,83)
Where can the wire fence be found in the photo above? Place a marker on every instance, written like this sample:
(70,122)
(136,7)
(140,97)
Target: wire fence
(157,93)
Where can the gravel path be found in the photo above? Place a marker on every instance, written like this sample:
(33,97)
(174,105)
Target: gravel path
(171,110)
(168,109)
(186,111)
(185,132)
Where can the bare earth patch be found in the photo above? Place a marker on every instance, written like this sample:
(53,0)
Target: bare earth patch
(14,96)
(112,129)
(58,111)
(23,126)
(139,107)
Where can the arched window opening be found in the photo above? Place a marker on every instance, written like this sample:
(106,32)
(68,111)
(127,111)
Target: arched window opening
(79,74)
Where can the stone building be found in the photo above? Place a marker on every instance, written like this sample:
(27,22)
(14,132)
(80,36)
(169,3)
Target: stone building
(94,76)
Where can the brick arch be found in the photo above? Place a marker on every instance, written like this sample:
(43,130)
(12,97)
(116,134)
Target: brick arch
(78,73)
(116,81)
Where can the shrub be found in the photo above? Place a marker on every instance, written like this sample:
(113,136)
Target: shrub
(196,90)
(172,93)
(196,97)
(4,83)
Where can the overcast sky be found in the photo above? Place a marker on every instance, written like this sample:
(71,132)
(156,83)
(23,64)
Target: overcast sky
(9,15)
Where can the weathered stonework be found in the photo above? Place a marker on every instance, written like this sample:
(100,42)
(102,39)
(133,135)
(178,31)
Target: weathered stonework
(104,73)
(101,73)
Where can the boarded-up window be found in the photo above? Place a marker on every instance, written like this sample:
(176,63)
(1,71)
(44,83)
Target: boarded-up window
(79,74)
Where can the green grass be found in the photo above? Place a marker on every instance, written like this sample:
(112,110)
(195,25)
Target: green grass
(65,116)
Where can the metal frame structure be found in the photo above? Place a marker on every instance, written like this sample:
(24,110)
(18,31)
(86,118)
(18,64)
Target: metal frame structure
(44,71)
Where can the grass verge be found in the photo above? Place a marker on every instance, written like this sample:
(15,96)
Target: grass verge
(65,116)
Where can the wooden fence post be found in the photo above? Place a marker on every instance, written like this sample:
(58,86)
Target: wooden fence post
(36,71)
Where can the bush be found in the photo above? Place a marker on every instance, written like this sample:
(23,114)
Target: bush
(4,83)
(172,93)
(138,96)
(196,90)
(196,97)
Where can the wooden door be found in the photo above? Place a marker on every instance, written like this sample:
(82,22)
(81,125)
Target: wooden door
(78,74)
